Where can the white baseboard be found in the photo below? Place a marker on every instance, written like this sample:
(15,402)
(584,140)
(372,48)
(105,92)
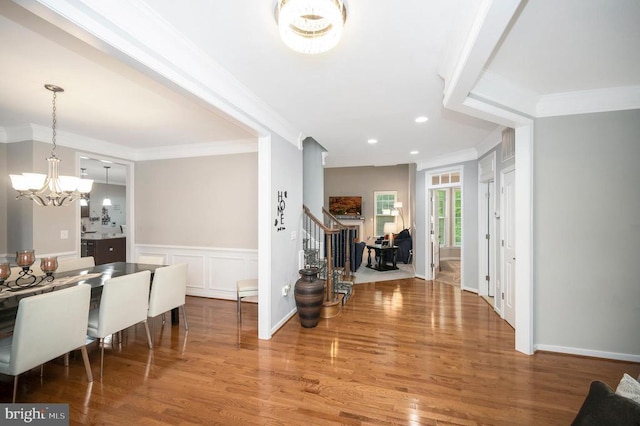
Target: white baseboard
(587,352)
(213,271)
(283,321)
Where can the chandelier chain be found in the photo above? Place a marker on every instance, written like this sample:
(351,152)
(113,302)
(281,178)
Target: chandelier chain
(53,126)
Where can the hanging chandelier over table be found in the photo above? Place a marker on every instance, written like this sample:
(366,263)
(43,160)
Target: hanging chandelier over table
(311,26)
(51,189)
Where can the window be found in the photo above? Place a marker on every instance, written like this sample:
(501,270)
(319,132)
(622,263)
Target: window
(457,217)
(450,217)
(442,216)
(384,201)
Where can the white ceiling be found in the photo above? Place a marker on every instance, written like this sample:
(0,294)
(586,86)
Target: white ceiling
(383,74)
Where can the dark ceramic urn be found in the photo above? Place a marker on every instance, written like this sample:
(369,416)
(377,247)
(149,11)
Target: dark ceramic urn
(309,294)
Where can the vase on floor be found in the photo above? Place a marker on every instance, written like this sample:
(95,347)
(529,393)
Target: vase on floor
(309,294)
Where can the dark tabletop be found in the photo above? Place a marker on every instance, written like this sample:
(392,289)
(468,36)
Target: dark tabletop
(9,304)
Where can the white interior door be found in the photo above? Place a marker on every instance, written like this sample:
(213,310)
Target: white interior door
(435,235)
(509,246)
(491,278)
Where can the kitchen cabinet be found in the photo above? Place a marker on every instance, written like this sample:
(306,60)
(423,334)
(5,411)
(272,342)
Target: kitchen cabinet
(105,249)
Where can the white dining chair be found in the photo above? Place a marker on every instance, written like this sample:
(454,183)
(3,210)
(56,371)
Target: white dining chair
(246,289)
(124,303)
(47,326)
(168,291)
(151,259)
(72,264)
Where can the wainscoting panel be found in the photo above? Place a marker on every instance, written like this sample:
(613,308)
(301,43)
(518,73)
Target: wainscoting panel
(195,270)
(213,272)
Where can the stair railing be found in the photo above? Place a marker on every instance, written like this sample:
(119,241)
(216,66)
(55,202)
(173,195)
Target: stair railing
(343,241)
(318,249)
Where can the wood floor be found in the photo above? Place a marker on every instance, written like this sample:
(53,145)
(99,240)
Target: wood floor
(407,352)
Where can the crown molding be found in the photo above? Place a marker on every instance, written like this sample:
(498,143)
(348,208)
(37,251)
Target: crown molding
(589,101)
(34,132)
(448,159)
(198,150)
(498,90)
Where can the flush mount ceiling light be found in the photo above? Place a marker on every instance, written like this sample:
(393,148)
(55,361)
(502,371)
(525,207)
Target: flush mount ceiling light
(311,26)
(422,119)
(51,189)
(372,141)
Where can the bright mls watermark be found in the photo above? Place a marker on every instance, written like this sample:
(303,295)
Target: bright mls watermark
(34,414)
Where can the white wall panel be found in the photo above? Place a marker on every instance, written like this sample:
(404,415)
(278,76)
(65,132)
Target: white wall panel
(213,272)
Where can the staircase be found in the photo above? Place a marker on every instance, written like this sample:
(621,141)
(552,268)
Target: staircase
(327,245)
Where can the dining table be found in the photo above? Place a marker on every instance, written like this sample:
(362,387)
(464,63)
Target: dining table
(95,276)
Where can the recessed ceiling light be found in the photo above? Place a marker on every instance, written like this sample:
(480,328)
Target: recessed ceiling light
(422,119)
(414,152)
(372,141)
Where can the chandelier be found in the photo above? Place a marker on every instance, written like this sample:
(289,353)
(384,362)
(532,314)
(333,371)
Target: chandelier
(51,189)
(311,26)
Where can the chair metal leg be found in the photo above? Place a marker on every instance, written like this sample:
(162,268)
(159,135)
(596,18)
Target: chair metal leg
(41,370)
(163,319)
(239,301)
(87,365)
(150,320)
(66,359)
(146,327)
(101,356)
(15,388)
(184,315)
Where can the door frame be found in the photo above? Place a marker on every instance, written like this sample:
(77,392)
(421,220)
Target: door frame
(502,264)
(487,218)
(428,188)
(129,196)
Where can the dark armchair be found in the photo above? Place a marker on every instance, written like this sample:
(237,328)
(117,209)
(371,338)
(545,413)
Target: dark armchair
(405,246)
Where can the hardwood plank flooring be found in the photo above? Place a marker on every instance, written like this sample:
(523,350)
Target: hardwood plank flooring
(406,352)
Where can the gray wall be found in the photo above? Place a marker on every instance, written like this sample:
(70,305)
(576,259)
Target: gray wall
(469,249)
(363,181)
(587,232)
(313,178)
(202,202)
(286,170)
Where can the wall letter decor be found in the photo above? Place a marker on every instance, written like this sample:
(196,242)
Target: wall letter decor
(279,223)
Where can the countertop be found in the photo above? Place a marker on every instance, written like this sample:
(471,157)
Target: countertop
(100,236)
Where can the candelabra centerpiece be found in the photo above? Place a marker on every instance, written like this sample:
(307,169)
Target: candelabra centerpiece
(26,278)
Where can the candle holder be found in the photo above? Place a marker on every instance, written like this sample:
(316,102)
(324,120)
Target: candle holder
(49,266)
(25,258)
(26,277)
(5,272)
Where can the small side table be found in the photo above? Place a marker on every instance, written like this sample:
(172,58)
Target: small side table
(379,253)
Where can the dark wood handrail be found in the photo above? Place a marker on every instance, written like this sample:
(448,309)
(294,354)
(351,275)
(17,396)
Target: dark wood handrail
(322,237)
(320,224)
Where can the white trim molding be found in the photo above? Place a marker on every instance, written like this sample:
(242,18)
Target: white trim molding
(588,101)
(589,353)
(213,271)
